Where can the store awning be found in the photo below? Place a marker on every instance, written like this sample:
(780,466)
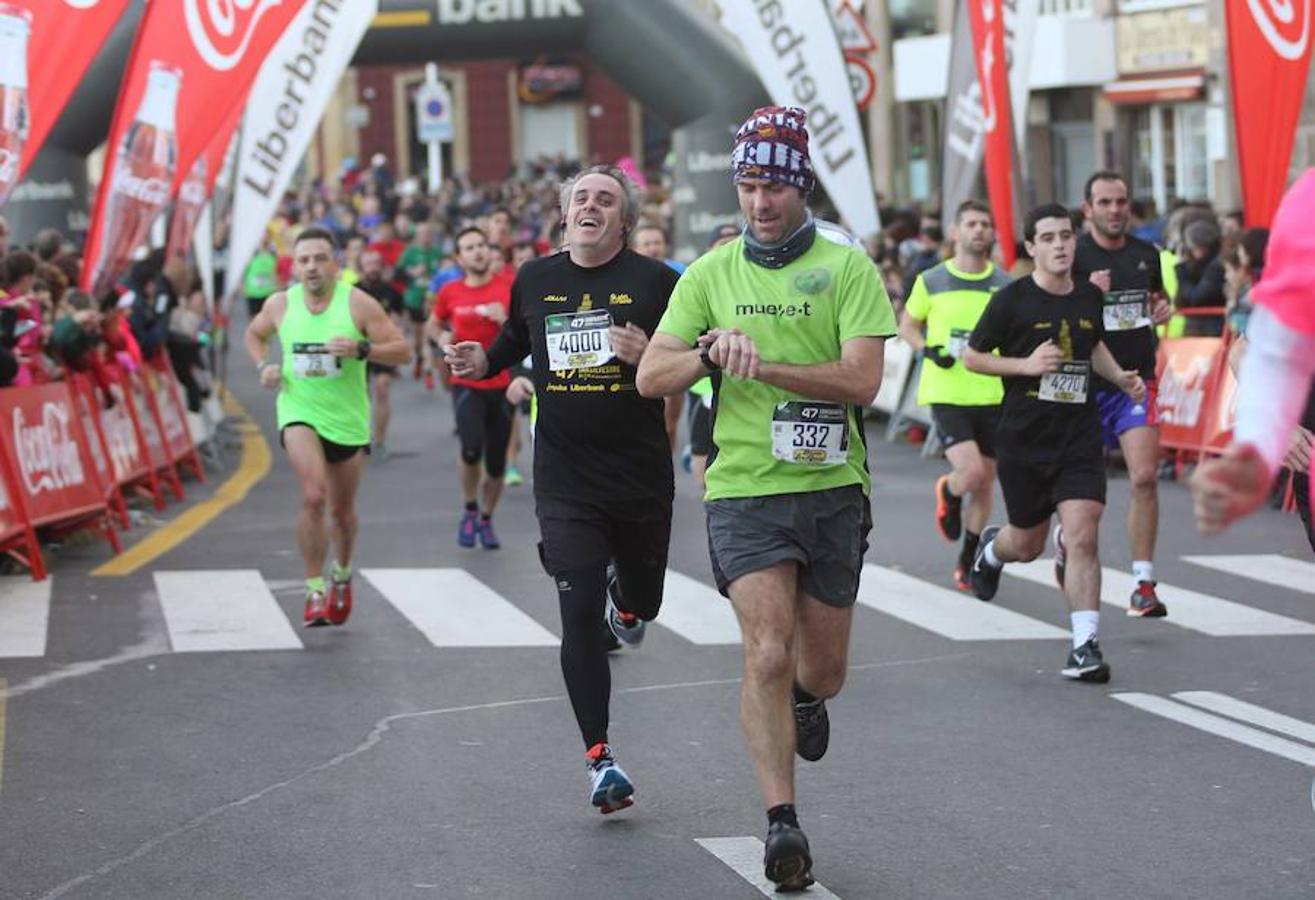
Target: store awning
(1162,87)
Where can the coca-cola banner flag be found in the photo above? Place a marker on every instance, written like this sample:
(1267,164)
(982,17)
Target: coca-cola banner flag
(286,105)
(195,190)
(42,435)
(191,63)
(1269,45)
(45,49)
(987,18)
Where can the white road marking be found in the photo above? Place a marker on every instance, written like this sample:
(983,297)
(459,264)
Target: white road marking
(24,616)
(1188,609)
(697,612)
(209,611)
(1249,712)
(1270,568)
(952,614)
(744,855)
(1220,727)
(453,608)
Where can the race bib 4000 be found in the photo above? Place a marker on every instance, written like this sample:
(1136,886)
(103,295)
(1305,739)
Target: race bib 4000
(580,340)
(810,434)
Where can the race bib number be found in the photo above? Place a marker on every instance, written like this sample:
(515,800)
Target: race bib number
(1127,310)
(810,434)
(1068,385)
(580,340)
(958,341)
(315,361)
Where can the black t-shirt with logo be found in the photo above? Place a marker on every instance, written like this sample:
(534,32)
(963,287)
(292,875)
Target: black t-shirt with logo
(1134,279)
(1051,418)
(595,437)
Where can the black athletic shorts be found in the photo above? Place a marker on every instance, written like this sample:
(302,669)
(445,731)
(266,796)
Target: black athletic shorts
(254,305)
(333,452)
(418,315)
(700,426)
(374,368)
(483,426)
(958,424)
(634,533)
(1033,491)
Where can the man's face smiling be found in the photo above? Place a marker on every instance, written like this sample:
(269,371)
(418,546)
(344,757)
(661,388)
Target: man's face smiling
(595,216)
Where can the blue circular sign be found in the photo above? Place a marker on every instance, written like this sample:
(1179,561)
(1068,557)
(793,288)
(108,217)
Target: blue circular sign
(434,108)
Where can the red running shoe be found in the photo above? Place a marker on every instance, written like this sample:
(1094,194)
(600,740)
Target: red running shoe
(429,379)
(317,610)
(340,601)
(1145,604)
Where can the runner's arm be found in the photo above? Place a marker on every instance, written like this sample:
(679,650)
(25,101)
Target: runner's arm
(855,378)
(388,346)
(262,328)
(669,367)
(912,330)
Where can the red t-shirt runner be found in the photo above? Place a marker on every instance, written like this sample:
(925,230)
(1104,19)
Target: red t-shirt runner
(465,310)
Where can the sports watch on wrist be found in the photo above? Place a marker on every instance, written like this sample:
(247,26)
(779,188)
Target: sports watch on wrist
(362,349)
(705,357)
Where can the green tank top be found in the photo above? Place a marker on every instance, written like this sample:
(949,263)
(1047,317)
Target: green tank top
(323,391)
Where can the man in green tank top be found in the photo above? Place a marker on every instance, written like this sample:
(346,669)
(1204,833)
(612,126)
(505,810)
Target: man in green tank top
(327,332)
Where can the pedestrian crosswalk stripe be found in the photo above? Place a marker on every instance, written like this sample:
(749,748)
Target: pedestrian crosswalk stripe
(1188,609)
(1220,727)
(1270,568)
(952,614)
(208,611)
(24,616)
(744,855)
(1225,705)
(453,608)
(697,612)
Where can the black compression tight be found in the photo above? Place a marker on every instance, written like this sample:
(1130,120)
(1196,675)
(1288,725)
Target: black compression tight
(582,594)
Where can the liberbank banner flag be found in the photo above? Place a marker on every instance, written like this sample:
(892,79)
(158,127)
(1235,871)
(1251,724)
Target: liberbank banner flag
(191,63)
(989,49)
(45,49)
(794,49)
(1269,45)
(286,105)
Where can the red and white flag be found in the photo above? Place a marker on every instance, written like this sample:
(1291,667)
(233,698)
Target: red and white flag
(45,49)
(191,63)
(1269,44)
(988,29)
(198,185)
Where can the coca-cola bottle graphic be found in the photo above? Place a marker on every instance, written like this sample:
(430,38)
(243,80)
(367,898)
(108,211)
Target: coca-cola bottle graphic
(187,211)
(15,25)
(143,173)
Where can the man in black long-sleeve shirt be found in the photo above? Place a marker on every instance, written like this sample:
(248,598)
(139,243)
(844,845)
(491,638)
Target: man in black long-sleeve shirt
(603,483)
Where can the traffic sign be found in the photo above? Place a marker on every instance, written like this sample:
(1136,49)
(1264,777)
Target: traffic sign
(855,39)
(862,79)
(433,113)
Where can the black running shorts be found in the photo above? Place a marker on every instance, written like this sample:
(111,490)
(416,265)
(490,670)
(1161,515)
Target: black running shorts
(334,453)
(1033,491)
(957,424)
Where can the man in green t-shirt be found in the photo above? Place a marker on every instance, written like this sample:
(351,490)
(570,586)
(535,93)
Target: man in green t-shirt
(942,310)
(328,331)
(416,269)
(261,277)
(795,318)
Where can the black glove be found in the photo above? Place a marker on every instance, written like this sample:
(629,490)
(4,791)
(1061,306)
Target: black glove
(936,354)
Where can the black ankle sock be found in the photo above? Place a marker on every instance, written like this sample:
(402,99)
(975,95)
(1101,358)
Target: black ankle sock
(783,812)
(802,696)
(970,542)
(472,506)
(486,518)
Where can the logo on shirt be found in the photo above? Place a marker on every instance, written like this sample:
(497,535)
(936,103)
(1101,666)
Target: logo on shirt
(586,303)
(1141,266)
(620,300)
(554,298)
(778,310)
(1085,324)
(1041,326)
(814,281)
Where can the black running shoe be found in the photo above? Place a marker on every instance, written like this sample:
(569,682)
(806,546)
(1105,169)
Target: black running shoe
(1087,664)
(787,862)
(812,730)
(949,511)
(985,579)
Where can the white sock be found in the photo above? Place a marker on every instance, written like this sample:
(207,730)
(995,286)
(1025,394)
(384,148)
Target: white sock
(988,554)
(1143,570)
(1086,622)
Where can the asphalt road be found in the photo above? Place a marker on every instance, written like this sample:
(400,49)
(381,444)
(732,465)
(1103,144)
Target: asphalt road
(384,760)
